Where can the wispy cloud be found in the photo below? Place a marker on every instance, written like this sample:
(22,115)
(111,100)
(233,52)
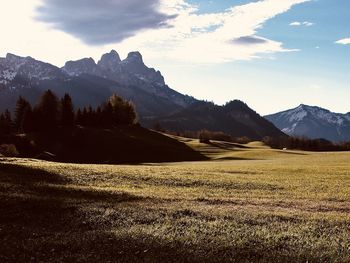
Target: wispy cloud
(217,37)
(249,40)
(344,41)
(305,23)
(171,29)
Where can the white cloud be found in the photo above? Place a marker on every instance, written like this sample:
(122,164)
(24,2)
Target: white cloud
(305,23)
(345,41)
(192,37)
(296,23)
(102,22)
(208,38)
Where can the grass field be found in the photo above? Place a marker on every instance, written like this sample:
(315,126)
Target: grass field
(248,204)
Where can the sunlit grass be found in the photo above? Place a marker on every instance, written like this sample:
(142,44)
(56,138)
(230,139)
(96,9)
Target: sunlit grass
(260,205)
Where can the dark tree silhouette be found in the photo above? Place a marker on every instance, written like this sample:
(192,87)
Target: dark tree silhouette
(5,123)
(67,111)
(79,117)
(48,111)
(23,115)
(123,112)
(107,114)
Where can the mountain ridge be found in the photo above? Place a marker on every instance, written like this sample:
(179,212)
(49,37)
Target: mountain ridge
(313,122)
(90,84)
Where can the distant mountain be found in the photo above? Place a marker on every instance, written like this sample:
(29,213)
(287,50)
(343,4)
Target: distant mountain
(130,72)
(91,83)
(313,122)
(235,118)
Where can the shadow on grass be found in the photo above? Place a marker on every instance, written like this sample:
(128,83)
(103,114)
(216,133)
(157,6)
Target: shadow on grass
(227,145)
(230,158)
(292,153)
(42,219)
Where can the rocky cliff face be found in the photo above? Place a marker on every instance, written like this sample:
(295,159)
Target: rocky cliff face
(90,82)
(14,68)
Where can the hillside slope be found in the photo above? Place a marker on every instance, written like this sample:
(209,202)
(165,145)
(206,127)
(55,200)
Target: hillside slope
(90,84)
(313,122)
(235,118)
(124,144)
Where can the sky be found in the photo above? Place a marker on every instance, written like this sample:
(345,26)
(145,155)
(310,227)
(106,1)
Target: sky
(272,54)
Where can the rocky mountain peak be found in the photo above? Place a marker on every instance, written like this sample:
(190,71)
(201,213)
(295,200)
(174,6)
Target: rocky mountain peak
(13,57)
(313,122)
(135,57)
(135,65)
(81,66)
(10,56)
(13,61)
(26,68)
(110,60)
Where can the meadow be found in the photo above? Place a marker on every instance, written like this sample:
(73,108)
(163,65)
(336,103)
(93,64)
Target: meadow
(248,203)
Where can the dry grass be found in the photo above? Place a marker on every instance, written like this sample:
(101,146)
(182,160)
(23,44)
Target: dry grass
(250,204)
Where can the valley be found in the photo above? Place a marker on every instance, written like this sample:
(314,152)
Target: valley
(168,131)
(248,203)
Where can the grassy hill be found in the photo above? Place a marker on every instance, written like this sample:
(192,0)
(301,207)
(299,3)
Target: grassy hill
(124,144)
(261,205)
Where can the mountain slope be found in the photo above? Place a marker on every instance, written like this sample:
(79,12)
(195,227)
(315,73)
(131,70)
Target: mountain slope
(130,72)
(235,118)
(124,144)
(313,122)
(91,83)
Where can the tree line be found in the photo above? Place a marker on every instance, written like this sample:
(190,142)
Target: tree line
(51,112)
(305,144)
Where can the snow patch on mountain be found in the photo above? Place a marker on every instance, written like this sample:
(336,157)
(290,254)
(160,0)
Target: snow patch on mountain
(27,68)
(7,75)
(313,122)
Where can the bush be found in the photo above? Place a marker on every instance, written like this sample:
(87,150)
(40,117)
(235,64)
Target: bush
(9,150)
(205,136)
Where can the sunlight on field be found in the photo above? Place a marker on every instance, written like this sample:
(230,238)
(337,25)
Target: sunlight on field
(249,204)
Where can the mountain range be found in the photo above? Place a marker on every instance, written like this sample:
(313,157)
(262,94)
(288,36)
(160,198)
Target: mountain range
(313,122)
(90,83)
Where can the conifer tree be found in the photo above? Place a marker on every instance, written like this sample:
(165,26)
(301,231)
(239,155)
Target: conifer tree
(48,111)
(5,123)
(23,115)
(67,111)
(79,117)
(123,112)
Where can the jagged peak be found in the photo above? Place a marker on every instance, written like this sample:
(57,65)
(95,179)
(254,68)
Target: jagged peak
(112,56)
(85,61)
(305,106)
(114,53)
(13,56)
(17,59)
(135,56)
(311,108)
